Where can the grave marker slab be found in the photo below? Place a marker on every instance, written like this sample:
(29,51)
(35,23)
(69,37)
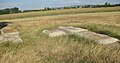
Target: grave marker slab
(99,38)
(9,34)
(71,29)
(54,33)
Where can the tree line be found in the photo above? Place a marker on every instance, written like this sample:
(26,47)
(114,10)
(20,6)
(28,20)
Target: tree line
(10,10)
(77,6)
(16,10)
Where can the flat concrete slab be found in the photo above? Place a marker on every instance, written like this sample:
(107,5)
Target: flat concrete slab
(1,39)
(71,29)
(99,38)
(9,34)
(54,33)
(13,39)
(8,30)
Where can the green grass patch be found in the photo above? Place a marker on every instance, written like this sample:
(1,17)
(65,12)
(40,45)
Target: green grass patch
(109,30)
(81,39)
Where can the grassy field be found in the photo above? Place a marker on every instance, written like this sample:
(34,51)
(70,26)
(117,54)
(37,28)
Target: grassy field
(58,12)
(39,48)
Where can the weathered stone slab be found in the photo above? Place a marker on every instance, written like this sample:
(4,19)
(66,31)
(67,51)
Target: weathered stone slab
(54,33)
(1,39)
(9,34)
(8,30)
(13,39)
(71,29)
(99,38)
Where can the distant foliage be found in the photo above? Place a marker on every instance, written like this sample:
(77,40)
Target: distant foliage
(10,10)
(16,10)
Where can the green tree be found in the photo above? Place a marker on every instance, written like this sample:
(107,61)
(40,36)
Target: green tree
(106,3)
(15,10)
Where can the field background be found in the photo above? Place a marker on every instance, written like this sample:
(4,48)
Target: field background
(59,12)
(39,48)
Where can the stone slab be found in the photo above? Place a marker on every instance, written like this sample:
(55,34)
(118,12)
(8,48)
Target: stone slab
(54,33)
(13,39)
(9,34)
(99,38)
(8,30)
(71,29)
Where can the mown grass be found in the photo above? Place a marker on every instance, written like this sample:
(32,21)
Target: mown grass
(39,48)
(58,12)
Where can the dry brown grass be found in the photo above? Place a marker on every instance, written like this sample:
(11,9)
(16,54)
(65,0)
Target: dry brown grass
(39,48)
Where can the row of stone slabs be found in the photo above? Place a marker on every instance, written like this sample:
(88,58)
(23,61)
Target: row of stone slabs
(99,38)
(9,34)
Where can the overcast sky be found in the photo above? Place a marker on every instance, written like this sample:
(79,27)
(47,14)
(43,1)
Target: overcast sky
(37,4)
